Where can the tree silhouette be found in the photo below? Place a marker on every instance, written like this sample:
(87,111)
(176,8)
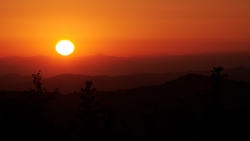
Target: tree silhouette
(218,78)
(37,81)
(96,122)
(26,115)
(89,113)
(218,85)
(39,93)
(214,109)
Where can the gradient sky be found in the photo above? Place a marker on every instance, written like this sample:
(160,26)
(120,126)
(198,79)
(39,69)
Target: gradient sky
(124,27)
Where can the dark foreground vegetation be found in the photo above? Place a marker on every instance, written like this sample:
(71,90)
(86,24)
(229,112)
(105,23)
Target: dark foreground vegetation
(192,107)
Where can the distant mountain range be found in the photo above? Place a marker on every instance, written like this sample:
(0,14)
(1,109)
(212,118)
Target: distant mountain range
(111,65)
(68,83)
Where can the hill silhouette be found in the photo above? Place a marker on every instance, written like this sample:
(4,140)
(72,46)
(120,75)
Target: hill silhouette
(186,87)
(178,109)
(113,66)
(181,98)
(72,82)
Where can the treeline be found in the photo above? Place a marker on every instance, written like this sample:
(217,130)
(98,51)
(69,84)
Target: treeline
(217,114)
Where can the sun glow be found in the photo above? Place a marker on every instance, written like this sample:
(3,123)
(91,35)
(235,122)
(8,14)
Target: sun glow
(65,47)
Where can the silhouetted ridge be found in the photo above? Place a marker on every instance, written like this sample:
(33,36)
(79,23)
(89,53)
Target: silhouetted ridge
(190,107)
(239,69)
(239,73)
(113,65)
(191,77)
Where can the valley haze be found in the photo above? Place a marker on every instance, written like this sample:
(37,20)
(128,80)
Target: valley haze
(111,65)
(114,73)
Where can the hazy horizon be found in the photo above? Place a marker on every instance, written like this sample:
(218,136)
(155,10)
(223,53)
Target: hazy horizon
(100,64)
(227,52)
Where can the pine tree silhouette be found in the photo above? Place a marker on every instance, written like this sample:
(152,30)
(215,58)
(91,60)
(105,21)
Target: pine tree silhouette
(89,114)
(214,109)
(26,115)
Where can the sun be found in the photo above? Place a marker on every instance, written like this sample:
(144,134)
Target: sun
(65,47)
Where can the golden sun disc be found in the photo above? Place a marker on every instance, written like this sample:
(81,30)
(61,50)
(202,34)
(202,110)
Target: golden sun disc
(65,47)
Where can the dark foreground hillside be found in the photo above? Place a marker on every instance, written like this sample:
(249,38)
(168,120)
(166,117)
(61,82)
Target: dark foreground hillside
(192,107)
(73,82)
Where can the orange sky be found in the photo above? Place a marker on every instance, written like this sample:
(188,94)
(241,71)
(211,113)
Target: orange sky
(124,27)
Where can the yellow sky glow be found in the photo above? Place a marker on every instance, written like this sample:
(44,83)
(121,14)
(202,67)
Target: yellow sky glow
(118,27)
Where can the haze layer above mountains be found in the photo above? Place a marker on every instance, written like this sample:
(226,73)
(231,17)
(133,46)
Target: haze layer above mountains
(111,65)
(113,73)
